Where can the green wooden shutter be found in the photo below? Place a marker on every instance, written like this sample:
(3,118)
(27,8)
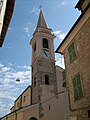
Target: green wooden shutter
(80,93)
(70,56)
(77,87)
(72,51)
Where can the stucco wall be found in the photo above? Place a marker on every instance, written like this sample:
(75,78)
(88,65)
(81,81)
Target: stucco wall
(31,111)
(53,107)
(26,97)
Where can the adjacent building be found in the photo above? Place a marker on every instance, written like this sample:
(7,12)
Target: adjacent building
(76,50)
(45,99)
(6,10)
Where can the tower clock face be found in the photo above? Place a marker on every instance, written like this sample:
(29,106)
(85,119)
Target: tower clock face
(46,54)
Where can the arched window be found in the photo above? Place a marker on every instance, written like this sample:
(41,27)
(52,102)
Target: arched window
(45,43)
(47,80)
(33,118)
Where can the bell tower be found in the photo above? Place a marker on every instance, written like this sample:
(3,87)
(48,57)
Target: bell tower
(43,62)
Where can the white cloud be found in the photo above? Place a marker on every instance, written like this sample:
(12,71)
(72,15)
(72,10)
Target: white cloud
(5,69)
(9,28)
(63,3)
(6,95)
(59,60)
(10,64)
(58,57)
(59,34)
(8,47)
(28,29)
(34,10)
(60,4)
(9,88)
(25,67)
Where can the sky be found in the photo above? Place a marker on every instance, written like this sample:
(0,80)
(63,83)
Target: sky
(15,54)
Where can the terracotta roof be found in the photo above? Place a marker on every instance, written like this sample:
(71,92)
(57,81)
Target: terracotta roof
(7,18)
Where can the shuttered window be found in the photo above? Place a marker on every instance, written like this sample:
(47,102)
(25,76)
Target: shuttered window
(72,51)
(78,93)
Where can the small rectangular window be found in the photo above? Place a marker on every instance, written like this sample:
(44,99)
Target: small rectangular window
(35,47)
(72,51)
(78,93)
(47,80)
(34,83)
(18,104)
(24,98)
(49,107)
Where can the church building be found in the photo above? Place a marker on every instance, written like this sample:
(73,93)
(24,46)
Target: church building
(45,99)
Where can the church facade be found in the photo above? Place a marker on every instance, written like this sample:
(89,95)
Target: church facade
(45,99)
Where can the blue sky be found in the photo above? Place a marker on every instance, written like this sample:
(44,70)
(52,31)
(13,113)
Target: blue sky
(15,54)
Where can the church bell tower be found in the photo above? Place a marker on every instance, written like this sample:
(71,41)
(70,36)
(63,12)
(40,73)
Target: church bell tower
(43,62)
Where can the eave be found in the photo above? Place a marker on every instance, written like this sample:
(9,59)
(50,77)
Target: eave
(7,18)
(79,4)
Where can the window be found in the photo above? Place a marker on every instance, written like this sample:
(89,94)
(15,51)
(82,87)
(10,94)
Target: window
(78,93)
(35,82)
(88,113)
(35,47)
(72,52)
(47,80)
(18,104)
(45,43)
(49,107)
(24,98)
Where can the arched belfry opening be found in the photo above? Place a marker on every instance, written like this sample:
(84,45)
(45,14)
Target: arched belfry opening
(33,118)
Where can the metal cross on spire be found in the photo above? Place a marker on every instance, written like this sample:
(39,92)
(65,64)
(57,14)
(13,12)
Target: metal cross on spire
(40,7)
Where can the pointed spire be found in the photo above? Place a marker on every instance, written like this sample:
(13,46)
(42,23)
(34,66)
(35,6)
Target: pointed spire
(41,20)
